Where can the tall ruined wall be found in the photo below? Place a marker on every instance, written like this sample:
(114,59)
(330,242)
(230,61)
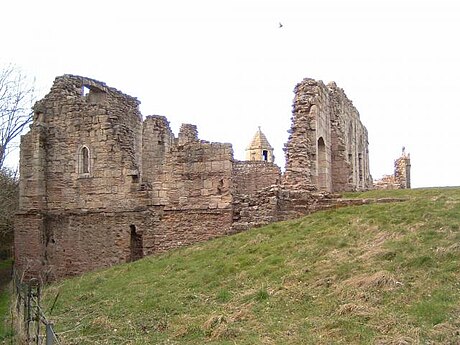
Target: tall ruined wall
(82,153)
(310,112)
(350,153)
(327,147)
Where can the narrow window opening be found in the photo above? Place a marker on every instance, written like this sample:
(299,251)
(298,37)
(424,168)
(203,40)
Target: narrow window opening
(265,155)
(135,178)
(360,167)
(85,160)
(136,244)
(322,164)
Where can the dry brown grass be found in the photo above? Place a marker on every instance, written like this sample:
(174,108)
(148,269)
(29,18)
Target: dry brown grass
(381,280)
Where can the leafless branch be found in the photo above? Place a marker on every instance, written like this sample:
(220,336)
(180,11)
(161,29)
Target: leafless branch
(16,98)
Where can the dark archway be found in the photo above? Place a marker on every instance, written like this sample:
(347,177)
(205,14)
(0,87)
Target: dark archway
(136,245)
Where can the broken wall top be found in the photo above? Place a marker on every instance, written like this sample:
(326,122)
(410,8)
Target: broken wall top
(71,86)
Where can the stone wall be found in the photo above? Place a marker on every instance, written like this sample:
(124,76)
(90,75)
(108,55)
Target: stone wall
(184,227)
(401,176)
(249,177)
(327,147)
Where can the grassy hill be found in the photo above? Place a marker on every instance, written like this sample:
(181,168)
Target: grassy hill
(372,274)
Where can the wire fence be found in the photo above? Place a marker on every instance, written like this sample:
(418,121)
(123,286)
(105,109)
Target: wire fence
(37,329)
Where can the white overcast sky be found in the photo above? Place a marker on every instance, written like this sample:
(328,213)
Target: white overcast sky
(227,67)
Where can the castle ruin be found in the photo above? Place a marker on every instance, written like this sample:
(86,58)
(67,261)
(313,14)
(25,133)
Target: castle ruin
(401,176)
(100,185)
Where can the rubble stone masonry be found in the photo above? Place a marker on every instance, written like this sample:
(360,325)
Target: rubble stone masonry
(327,147)
(401,176)
(100,186)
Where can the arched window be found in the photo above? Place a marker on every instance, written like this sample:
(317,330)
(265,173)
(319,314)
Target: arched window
(84,161)
(265,155)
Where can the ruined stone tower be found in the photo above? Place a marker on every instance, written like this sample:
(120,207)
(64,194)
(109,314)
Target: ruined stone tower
(402,170)
(401,176)
(260,149)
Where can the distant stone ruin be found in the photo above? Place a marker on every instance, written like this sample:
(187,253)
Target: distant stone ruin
(100,186)
(401,177)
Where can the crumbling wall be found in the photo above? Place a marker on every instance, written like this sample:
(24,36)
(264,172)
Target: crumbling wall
(105,123)
(350,153)
(401,176)
(198,175)
(402,170)
(310,105)
(327,147)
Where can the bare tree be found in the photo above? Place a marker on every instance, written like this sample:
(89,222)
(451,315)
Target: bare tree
(16,98)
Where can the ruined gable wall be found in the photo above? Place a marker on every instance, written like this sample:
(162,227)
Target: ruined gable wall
(350,154)
(52,182)
(310,122)
(105,121)
(328,145)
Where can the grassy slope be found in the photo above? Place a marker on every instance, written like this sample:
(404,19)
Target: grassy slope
(382,273)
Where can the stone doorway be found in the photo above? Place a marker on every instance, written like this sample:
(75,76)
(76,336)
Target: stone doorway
(322,165)
(136,244)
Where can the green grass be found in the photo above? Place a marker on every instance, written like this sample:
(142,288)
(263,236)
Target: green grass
(379,273)
(5,297)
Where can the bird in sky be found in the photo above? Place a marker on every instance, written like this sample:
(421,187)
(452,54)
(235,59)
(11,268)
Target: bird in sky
(281,25)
